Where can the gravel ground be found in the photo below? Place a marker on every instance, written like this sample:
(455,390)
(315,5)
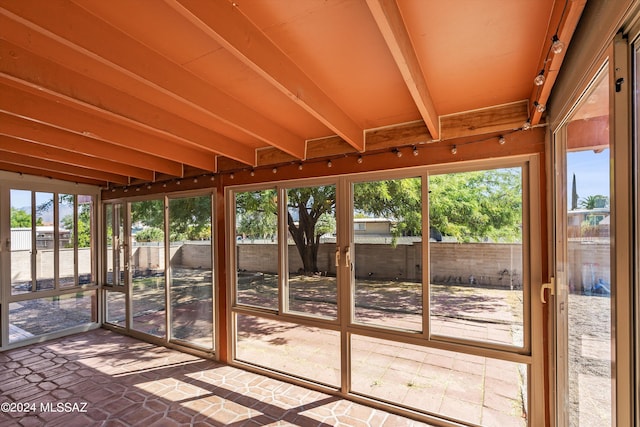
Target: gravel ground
(589,360)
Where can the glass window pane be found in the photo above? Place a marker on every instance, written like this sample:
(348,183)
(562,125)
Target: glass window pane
(472,389)
(387,221)
(116,308)
(85,237)
(119,260)
(303,351)
(191,285)
(66,240)
(256,241)
(475,255)
(46,315)
(588,269)
(147,267)
(311,221)
(108,239)
(21,241)
(45,243)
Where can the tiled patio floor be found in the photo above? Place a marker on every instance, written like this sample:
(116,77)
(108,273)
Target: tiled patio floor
(101,378)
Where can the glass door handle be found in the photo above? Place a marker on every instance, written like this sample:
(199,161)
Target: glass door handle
(552,289)
(347,257)
(338,257)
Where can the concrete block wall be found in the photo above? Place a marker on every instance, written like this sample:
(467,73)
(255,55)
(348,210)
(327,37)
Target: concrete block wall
(387,262)
(21,263)
(191,255)
(488,264)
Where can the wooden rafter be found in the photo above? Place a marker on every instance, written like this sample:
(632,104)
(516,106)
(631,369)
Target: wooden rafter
(47,136)
(65,113)
(84,42)
(226,24)
(23,169)
(36,70)
(47,165)
(389,19)
(17,146)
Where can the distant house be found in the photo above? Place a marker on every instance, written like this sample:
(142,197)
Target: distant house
(372,226)
(588,222)
(21,238)
(382,227)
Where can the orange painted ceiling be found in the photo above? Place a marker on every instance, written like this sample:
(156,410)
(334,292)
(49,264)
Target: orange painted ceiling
(115,92)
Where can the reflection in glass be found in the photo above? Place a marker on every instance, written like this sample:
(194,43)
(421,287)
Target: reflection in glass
(311,222)
(191,285)
(257,248)
(387,222)
(147,267)
(475,255)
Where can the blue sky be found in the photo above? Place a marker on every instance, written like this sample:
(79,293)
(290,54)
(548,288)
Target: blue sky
(592,173)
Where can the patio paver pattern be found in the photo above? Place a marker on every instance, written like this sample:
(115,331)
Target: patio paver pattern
(101,378)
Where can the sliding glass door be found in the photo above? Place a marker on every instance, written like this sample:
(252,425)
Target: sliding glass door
(190,270)
(585,286)
(158,268)
(285,304)
(594,250)
(338,283)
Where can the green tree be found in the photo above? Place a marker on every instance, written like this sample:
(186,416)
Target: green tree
(150,234)
(256,214)
(479,205)
(190,218)
(148,212)
(20,218)
(469,206)
(309,205)
(399,200)
(84,226)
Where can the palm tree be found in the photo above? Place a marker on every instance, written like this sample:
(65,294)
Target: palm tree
(593,202)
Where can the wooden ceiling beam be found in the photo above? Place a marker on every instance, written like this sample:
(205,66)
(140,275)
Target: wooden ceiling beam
(25,65)
(415,133)
(51,166)
(47,136)
(389,19)
(498,118)
(227,25)
(38,104)
(82,41)
(470,124)
(21,169)
(25,148)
